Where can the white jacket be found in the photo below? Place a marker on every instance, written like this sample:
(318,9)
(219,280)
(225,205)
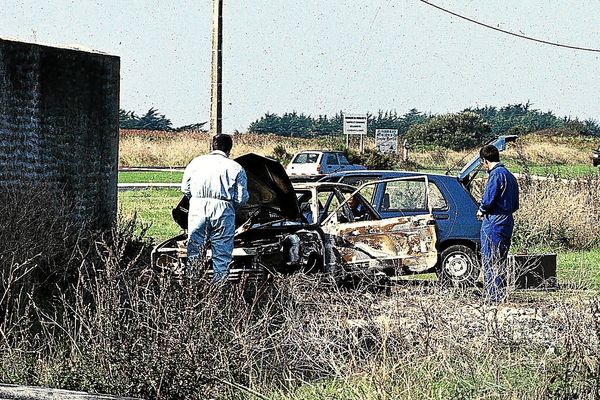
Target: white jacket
(215,176)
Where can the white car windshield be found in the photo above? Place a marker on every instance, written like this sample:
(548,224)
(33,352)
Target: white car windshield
(306,158)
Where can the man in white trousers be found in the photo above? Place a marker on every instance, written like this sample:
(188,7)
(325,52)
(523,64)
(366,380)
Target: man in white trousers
(216,187)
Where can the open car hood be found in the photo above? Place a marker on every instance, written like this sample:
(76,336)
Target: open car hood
(269,187)
(271,193)
(473,164)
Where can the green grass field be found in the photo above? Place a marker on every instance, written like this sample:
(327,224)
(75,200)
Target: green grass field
(150,176)
(579,268)
(559,171)
(152,207)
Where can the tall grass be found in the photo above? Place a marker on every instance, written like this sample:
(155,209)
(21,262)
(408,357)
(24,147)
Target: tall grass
(146,148)
(546,147)
(558,214)
(156,148)
(540,151)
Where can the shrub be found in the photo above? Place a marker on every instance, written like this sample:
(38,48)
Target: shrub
(373,159)
(454,131)
(40,228)
(37,218)
(280,154)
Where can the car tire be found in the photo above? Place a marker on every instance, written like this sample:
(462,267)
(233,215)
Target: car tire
(458,266)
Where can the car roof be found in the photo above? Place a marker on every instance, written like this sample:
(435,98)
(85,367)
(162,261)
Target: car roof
(320,151)
(390,172)
(310,185)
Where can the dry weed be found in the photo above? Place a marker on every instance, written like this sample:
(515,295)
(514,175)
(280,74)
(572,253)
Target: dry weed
(147,148)
(559,214)
(124,328)
(544,149)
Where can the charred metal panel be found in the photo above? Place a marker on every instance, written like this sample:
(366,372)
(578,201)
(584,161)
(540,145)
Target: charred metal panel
(406,242)
(59,124)
(261,251)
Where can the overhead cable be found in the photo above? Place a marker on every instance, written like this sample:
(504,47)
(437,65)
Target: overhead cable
(509,32)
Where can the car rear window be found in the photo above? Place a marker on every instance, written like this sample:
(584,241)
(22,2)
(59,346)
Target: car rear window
(332,159)
(306,158)
(410,196)
(343,159)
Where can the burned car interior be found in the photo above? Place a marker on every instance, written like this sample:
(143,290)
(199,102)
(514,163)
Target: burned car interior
(312,227)
(333,198)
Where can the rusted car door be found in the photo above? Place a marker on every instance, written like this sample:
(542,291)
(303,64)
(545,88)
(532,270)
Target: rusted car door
(400,244)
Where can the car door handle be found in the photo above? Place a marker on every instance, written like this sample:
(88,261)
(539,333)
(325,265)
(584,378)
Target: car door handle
(441,216)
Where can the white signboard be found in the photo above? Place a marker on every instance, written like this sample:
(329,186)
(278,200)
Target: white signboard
(386,140)
(355,124)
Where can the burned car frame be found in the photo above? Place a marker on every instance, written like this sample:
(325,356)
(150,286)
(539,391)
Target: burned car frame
(312,227)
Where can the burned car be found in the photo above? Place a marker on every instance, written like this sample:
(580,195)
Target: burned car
(358,239)
(312,227)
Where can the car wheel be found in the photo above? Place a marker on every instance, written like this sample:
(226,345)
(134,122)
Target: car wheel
(459,266)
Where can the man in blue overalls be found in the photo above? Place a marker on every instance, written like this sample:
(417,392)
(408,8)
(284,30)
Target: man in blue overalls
(216,187)
(500,200)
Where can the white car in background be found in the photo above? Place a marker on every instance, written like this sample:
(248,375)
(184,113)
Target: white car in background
(315,164)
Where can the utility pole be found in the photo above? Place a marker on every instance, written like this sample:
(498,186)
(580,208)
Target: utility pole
(216,109)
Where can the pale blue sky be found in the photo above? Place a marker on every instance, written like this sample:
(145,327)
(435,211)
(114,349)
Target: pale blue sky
(320,57)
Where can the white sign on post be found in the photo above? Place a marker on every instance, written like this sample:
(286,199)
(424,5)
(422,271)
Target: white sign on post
(386,140)
(355,124)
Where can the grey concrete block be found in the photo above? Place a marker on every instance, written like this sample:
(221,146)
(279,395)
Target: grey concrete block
(59,123)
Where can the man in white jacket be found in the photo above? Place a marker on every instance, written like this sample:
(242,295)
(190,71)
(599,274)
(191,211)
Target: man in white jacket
(216,187)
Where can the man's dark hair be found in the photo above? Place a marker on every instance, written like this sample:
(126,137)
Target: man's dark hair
(489,153)
(223,143)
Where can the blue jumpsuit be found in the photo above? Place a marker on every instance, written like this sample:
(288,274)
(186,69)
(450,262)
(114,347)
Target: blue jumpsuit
(216,186)
(500,200)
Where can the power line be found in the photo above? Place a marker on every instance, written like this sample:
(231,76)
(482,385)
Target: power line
(509,32)
(371,27)
(361,44)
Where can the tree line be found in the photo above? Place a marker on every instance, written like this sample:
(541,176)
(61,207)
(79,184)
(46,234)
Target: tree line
(154,121)
(467,128)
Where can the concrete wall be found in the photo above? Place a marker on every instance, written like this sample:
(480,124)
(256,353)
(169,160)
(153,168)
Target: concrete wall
(59,123)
